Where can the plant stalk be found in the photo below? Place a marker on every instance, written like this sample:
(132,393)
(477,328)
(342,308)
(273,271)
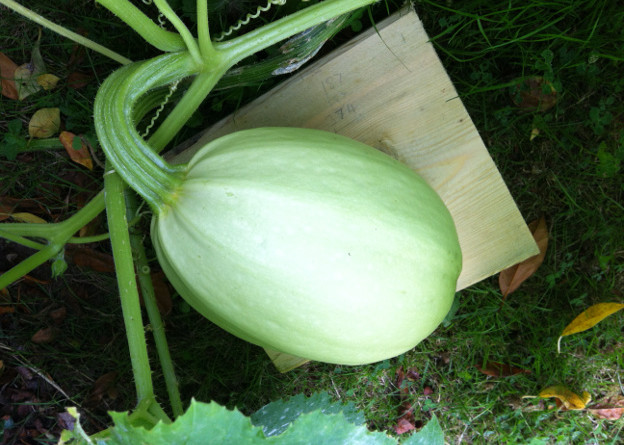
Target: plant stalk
(126,280)
(149,300)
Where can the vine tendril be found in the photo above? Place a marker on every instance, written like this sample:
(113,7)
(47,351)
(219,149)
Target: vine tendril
(249,17)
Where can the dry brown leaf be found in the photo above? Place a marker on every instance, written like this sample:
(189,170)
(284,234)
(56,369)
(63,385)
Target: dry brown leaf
(58,315)
(161,290)
(86,257)
(496,369)
(569,399)
(104,385)
(611,409)
(6,310)
(44,335)
(510,279)
(80,156)
(535,94)
(78,80)
(5,211)
(44,123)
(7,74)
(404,425)
(589,318)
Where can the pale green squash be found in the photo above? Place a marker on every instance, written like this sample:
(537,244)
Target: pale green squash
(311,244)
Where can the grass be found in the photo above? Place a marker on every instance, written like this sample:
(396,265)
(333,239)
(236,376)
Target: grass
(571,173)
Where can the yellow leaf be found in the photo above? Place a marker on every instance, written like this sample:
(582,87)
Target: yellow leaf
(80,155)
(27,218)
(44,123)
(589,318)
(569,399)
(47,81)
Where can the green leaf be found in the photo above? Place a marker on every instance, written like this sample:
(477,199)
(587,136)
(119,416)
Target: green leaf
(200,422)
(318,428)
(430,434)
(277,416)
(317,420)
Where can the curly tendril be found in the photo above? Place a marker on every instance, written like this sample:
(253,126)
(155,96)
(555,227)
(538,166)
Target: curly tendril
(249,17)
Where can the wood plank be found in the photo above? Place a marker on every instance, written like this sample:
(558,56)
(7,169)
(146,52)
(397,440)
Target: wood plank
(389,90)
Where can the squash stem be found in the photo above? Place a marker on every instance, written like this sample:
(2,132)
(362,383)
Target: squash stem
(153,313)
(126,280)
(130,155)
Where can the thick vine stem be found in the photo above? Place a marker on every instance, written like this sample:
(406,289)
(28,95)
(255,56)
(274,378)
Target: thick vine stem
(131,156)
(126,280)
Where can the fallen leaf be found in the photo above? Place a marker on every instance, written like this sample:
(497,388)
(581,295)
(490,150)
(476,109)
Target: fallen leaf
(24,217)
(44,123)
(77,80)
(81,155)
(6,310)
(567,398)
(162,292)
(26,75)
(58,315)
(26,80)
(403,426)
(104,385)
(535,94)
(496,369)
(7,74)
(47,81)
(86,257)
(5,211)
(534,133)
(78,52)
(44,335)
(611,409)
(510,279)
(589,318)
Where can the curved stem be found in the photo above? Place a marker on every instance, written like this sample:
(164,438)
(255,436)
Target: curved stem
(153,178)
(129,295)
(64,31)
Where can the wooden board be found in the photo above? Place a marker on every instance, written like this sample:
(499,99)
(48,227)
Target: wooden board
(389,90)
